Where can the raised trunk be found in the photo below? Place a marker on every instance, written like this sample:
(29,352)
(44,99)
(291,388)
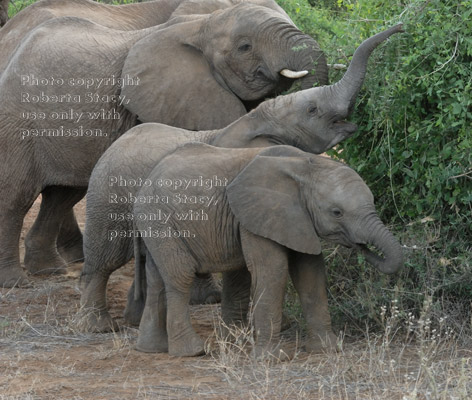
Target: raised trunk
(348,87)
(377,235)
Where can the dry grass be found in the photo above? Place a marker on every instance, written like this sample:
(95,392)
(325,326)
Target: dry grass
(43,357)
(405,362)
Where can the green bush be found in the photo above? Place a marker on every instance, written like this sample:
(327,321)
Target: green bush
(413,148)
(16,6)
(414,112)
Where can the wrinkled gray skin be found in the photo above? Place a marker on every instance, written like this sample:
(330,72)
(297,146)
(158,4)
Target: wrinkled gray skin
(178,65)
(311,119)
(4,12)
(125,17)
(269,218)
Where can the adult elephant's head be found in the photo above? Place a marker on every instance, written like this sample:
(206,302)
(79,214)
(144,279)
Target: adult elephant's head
(211,64)
(295,198)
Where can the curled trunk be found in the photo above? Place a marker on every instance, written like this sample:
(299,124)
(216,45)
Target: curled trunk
(377,235)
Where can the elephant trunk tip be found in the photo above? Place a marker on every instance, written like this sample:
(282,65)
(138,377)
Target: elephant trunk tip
(389,265)
(398,28)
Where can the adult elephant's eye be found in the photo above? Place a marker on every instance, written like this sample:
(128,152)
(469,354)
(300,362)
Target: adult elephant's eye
(245,47)
(337,213)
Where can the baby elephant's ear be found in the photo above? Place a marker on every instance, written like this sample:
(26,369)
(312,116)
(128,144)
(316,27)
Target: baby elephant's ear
(266,199)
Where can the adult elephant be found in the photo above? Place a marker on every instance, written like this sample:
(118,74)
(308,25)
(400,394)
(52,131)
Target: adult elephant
(4,12)
(124,17)
(58,114)
(312,120)
(266,211)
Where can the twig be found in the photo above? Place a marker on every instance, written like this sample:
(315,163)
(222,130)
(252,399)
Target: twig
(443,64)
(49,336)
(465,174)
(337,66)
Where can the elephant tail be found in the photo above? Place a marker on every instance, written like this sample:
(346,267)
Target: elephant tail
(139,268)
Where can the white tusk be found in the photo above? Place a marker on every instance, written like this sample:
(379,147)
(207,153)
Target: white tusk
(293,74)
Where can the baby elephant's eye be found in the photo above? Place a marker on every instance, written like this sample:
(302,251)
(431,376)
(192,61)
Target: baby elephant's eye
(337,213)
(312,110)
(245,47)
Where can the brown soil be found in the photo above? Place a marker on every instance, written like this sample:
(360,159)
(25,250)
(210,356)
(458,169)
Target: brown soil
(42,356)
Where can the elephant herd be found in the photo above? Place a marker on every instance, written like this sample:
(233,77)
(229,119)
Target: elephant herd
(168,115)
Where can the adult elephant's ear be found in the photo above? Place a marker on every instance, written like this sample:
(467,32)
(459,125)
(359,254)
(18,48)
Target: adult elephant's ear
(176,86)
(266,199)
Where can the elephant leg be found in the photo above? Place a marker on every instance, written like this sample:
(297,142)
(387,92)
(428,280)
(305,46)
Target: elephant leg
(268,263)
(205,290)
(308,275)
(102,258)
(41,255)
(236,296)
(152,329)
(19,188)
(70,243)
(11,273)
(177,267)
(183,340)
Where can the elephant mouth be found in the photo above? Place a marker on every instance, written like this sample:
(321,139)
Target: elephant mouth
(343,129)
(371,253)
(346,126)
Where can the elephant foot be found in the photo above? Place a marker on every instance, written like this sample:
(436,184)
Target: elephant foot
(187,346)
(152,346)
(38,262)
(13,277)
(323,342)
(205,290)
(152,338)
(275,352)
(94,321)
(72,253)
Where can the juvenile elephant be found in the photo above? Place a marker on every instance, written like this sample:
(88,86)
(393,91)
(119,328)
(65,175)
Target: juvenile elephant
(63,101)
(312,120)
(209,209)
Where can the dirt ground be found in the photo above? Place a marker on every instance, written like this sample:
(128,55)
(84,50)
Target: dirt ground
(42,356)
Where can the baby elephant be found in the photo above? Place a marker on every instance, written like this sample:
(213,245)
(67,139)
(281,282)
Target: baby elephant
(205,209)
